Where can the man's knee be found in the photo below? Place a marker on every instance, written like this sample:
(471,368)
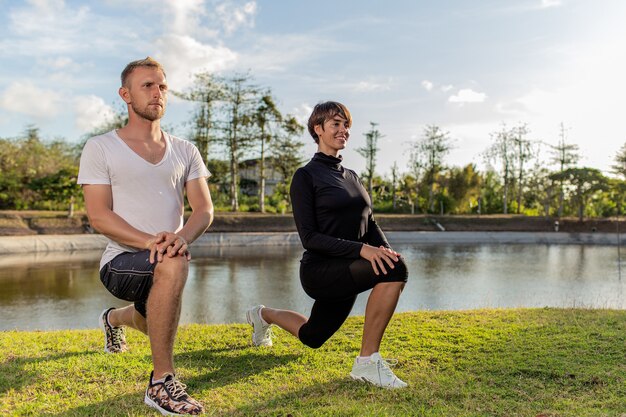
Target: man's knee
(173,270)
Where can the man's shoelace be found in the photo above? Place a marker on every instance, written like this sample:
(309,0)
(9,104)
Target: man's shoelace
(116,335)
(176,388)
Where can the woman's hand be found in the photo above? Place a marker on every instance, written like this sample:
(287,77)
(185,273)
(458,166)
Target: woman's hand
(170,243)
(380,256)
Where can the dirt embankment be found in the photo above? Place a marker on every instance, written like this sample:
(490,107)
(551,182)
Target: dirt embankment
(19,223)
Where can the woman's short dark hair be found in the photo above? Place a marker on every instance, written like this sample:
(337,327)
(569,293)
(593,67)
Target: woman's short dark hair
(325,111)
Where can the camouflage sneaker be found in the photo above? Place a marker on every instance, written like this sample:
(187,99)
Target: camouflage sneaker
(114,337)
(170,398)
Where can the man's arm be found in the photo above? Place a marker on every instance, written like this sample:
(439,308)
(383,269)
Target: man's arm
(99,205)
(199,198)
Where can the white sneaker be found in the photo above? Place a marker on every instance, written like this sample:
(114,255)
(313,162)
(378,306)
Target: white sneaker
(261,335)
(377,372)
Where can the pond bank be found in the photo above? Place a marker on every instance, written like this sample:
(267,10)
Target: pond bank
(12,245)
(25,223)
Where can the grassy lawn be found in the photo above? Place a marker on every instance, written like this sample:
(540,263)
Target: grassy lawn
(514,362)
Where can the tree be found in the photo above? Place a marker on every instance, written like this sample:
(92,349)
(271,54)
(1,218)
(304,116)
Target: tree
(565,155)
(523,153)
(490,200)
(620,162)
(207,91)
(463,188)
(619,187)
(58,187)
(616,193)
(409,187)
(27,159)
(117,121)
(542,188)
(584,182)
(369,152)
(286,150)
(428,153)
(412,185)
(265,117)
(239,99)
(503,151)
(394,185)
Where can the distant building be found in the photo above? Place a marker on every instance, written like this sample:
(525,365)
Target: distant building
(249,176)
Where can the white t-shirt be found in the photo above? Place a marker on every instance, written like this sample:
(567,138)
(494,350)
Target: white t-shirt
(150,197)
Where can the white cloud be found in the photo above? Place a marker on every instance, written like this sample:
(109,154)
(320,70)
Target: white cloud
(371,86)
(47,17)
(428,86)
(472,139)
(550,3)
(446,88)
(91,111)
(26,98)
(43,28)
(264,56)
(535,102)
(467,95)
(302,113)
(184,56)
(185,15)
(233,17)
(58,63)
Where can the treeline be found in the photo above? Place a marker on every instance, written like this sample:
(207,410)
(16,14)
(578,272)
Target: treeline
(235,121)
(523,176)
(37,174)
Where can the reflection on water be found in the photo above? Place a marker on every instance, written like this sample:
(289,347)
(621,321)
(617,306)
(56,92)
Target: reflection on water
(64,291)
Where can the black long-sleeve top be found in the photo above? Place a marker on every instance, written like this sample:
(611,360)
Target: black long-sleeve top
(332,210)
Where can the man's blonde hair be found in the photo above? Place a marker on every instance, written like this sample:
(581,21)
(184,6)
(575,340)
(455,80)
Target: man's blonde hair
(146,62)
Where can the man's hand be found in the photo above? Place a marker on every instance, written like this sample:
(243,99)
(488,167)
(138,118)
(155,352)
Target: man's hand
(167,243)
(378,257)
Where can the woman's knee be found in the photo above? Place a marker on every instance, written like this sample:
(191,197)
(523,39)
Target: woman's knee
(399,273)
(310,338)
(315,342)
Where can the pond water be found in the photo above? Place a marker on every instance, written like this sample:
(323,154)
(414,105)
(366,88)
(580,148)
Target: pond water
(51,292)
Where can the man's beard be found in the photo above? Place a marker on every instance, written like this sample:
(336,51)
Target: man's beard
(150,112)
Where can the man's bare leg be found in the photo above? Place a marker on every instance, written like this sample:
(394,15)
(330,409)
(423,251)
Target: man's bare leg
(128,316)
(163,311)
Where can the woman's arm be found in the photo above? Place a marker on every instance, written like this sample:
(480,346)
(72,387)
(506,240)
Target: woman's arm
(302,194)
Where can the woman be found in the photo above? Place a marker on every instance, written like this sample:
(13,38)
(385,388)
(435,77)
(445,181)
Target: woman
(346,254)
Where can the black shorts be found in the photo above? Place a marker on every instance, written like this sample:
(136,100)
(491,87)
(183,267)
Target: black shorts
(129,276)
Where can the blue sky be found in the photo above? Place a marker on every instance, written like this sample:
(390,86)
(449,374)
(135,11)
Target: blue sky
(467,66)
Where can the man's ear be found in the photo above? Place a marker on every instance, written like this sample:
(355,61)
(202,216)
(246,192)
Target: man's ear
(124,93)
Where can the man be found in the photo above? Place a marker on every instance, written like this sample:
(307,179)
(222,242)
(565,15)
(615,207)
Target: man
(134,180)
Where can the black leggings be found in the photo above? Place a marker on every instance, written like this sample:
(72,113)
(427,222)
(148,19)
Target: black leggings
(334,285)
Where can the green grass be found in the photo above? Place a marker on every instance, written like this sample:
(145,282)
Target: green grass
(518,362)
